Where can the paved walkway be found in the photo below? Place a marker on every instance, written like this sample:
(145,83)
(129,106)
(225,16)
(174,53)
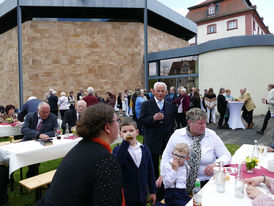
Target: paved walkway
(247,136)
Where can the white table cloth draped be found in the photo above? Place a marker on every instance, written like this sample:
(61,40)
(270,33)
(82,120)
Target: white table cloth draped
(22,154)
(210,197)
(235,121)
(8,130)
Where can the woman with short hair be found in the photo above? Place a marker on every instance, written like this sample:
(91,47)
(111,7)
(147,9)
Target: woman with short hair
(8,116)
(63,104)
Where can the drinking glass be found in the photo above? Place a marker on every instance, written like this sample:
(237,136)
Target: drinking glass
(57,132)
(162,112)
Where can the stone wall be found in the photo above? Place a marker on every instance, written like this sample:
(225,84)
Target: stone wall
(67,55)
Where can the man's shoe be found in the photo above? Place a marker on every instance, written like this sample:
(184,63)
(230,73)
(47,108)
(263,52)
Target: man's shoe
(260,132)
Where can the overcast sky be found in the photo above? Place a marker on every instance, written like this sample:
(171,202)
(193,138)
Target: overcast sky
(265,8)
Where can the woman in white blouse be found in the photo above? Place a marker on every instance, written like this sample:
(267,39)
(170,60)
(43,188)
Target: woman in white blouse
(63,104)
(206,148)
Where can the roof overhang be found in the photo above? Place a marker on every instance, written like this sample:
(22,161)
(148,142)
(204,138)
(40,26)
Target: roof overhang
(159,16)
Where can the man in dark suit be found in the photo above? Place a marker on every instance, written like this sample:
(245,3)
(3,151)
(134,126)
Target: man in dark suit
(72,116)
(39,125)
(53,100)
(221,106)
(156,116)
(30,106)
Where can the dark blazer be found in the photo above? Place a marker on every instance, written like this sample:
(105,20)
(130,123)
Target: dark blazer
(70,118)
(221,104)
(135,180)
(88,175)
(156,134)
(53,100)
(28,107)
(29,127)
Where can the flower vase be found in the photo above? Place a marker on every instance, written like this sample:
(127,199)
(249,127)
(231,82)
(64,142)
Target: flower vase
(249,170)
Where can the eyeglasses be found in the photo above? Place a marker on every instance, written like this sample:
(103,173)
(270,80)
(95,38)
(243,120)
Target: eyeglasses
(116,120)
(179,156)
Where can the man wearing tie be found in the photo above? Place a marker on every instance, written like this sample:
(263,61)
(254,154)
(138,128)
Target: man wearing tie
(156,116)
(39,125)
(72,116)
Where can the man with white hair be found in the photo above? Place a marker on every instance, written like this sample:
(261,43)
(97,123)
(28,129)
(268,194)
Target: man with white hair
(30,106)
(248,108)
(74,115)
(90,99)
(39,125)
(156,116)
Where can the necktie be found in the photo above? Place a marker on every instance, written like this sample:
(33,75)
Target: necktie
(38,128)
(79,117)
(160,104)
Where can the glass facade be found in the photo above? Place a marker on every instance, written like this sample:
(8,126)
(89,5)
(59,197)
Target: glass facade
(175,72)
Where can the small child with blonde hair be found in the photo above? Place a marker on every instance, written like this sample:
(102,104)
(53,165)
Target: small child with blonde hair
(174,176)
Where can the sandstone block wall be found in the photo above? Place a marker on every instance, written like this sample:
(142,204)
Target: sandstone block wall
(68,55)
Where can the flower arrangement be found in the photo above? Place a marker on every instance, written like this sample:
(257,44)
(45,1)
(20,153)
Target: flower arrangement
(251,162)
(9,120)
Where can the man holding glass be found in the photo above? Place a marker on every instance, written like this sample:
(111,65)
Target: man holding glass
(156,116)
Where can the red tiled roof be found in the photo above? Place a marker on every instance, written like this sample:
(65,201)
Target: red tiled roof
(224,7)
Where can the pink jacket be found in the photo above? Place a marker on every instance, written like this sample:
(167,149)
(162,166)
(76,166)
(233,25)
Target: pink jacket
(264,200)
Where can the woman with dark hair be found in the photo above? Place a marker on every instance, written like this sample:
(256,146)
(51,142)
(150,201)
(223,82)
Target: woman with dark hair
(89,174)
(110,99)
(195,100)
(9,116)
(120,104)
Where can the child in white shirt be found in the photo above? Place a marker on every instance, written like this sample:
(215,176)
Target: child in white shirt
(174,176)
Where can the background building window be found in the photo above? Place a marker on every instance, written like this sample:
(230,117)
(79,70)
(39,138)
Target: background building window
(233,24)
(211,28)
(211,10)
(152,68)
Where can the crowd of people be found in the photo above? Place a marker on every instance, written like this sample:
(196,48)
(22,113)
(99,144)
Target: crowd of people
(174,126)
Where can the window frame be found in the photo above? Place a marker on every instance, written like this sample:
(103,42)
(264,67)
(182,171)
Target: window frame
(211,9)
(211,25)
(230,21)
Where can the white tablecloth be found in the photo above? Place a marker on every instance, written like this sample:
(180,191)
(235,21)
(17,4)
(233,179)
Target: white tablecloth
(210,197)
(8,130)
(235,120)
(22,154)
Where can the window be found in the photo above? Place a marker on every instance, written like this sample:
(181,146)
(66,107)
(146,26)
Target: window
(152,68)
(211,10)
(211,29)
(233,24)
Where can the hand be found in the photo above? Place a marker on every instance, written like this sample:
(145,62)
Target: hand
(44,137)
(254,181)
(159,181)
(158,116)
(269,149)
(263,100)
(175,164)
(152,199)
(252,192)
(209,169)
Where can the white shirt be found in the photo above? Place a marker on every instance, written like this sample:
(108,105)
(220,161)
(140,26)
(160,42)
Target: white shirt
(172,178)
(136,153)
(63,103)
(39,120)
(158,103)
(212,150)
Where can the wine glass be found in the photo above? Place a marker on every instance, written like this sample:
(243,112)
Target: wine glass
(57,132)
(162,112)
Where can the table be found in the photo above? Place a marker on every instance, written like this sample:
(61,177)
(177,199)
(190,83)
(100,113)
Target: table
(210,197)
(235,120)
(8,130)
(18,155)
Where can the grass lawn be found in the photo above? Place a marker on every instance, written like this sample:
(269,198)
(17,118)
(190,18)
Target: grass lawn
(28,197)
